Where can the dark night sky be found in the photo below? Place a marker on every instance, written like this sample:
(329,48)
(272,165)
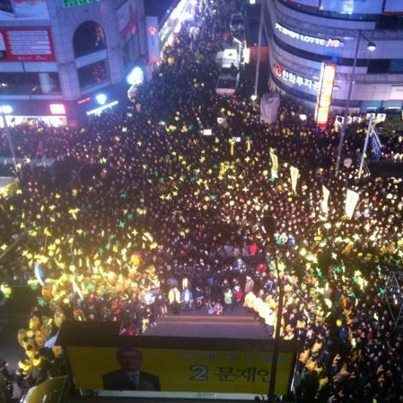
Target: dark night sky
(158,7)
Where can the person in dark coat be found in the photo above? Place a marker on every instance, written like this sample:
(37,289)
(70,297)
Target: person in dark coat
(130,376)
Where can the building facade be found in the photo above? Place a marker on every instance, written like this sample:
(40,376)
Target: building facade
(57,55)
(303,34)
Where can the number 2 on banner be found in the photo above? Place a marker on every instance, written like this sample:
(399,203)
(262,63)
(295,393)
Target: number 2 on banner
(201,373)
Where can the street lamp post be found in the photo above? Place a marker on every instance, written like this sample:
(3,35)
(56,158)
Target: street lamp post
(259,45)
(5,110)
(371,47)
(269,228)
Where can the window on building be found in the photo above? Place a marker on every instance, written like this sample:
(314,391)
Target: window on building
(93,74)
(384,66)
(88,38)
(29,83)
(378,66)
(390,22)
(396,66)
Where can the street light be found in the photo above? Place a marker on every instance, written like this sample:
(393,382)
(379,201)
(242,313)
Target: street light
(371,47)
(259,45)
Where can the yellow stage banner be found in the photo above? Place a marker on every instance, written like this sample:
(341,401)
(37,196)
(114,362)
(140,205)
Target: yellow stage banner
(177,370)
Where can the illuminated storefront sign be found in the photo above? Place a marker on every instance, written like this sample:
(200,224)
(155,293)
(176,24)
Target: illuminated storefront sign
(328,43)
(73,3)
(327,76)
(295,79)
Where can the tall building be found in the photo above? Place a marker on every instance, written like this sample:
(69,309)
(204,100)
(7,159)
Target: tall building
(302,34)
(56,56)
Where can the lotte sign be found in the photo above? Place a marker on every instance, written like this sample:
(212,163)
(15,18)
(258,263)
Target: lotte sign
(324,99)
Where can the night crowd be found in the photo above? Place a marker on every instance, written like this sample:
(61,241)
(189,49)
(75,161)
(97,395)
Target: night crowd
(141,216)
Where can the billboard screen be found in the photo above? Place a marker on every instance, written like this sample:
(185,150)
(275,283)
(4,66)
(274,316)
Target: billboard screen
(324,99)
(177,369)
(153,40)
(27,44)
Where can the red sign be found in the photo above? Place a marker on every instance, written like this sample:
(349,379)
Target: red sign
(27,44)
(324,99)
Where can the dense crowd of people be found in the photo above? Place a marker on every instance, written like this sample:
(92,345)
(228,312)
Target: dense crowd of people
(141,215)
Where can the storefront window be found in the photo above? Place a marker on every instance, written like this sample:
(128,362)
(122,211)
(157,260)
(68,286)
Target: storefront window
(93,74)
(88,38)
(29,83)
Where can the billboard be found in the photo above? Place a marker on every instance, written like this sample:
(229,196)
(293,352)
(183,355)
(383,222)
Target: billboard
(24,9)
(33,44)
(101,359)
(177,370)
(153,40)
(324,99)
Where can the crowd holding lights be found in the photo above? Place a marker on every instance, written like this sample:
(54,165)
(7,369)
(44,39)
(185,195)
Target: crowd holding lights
(134,214)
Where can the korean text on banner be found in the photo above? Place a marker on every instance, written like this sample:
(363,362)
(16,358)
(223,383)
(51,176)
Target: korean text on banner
(294,178)
(351,202)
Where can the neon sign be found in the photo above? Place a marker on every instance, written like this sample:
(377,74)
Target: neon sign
(328,43)
(327,76)
(295,79)
(73,3)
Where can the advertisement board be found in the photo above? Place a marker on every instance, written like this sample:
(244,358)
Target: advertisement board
(33,44)
(177,369)
(295,79)
(324,99)
(153,40)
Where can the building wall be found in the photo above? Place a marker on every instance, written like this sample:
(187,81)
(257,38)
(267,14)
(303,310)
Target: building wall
(304,33)
(124,38)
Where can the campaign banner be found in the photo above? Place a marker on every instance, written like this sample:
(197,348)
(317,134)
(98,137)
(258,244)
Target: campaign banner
(325,201)
(177,370)
(294,178)
(153,40)
(351,202)
(127,20)
(33,44)
(274,164)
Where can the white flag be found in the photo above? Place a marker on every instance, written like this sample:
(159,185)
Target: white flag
(325,202)
(274,164)
(294,178)
(351,202)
